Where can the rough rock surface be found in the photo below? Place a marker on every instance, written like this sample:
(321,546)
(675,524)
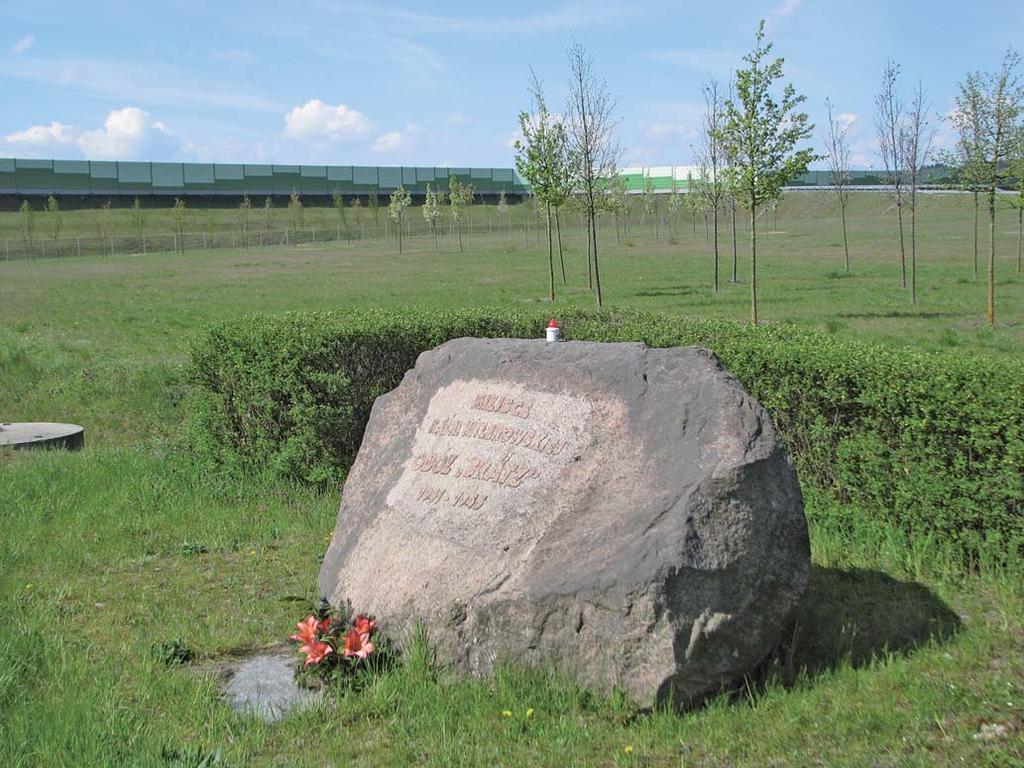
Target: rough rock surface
(627,512)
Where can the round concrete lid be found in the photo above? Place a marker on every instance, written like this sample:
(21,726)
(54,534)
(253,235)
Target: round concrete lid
(33,434)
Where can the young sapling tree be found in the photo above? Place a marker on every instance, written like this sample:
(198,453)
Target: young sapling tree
(590,126)
(432,211)
(400,201)
(764,134)
(837,154)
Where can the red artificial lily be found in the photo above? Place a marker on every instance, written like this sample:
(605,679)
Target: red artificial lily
(364,625)
(357,644)
(316,651)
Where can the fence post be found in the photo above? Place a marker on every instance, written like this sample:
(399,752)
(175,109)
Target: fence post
(261,239)
(232,238)
(205,244)
(143,245)
(42,242)
(7,249)
(78,246)
(111,245)
(314,235)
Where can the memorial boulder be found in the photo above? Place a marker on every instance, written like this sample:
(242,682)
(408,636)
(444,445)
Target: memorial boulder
(629,513)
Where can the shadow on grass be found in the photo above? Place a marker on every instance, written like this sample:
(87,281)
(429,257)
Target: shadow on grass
(898,313)
(854,617)
(681,290)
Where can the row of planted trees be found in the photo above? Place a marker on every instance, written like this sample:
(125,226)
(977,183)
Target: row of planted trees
(751,149)
(459,198)
(40,231)
(51,218)
(754,136)
(988,156)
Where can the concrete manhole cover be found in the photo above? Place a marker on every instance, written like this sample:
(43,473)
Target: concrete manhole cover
(41,434)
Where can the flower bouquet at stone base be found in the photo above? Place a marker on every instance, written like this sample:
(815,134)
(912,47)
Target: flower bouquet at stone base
(337,644)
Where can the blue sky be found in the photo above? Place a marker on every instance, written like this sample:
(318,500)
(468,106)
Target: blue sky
(329,81)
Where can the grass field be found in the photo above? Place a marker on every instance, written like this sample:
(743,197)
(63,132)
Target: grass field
(900,658)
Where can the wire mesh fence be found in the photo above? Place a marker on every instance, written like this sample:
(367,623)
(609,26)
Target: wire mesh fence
(369,229)
(523,225)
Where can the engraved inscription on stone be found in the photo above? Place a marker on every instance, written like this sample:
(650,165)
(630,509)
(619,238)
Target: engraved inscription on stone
(489,448)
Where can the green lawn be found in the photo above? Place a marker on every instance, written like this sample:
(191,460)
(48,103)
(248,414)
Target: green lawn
(900,656)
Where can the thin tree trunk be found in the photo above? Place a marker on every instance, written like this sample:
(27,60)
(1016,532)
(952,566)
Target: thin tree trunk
(735,259)
(753,266)
(913,247)
(551,259)
(561,258)
(975,235)
(590,259)
(1020,235)
(903,249)
(460,237)
(597,271)
(716,248)
(846,244)
(992,256)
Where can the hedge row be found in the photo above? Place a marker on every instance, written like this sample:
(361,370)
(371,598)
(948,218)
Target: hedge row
(932,442)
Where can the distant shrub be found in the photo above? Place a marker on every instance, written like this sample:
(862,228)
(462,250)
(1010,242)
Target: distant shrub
(930,441)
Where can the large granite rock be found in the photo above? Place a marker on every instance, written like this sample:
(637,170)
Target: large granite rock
(628,512)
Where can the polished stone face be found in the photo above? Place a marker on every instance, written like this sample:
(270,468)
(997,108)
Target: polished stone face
(628,512)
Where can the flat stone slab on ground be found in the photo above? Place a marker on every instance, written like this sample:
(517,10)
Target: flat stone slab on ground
(625,511)
(41,434)
(264,686)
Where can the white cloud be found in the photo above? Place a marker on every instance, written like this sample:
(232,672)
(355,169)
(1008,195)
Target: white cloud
(389,142)
(414,57)
(23,45)
(397,141)
(846,119)
(788,8)
(127,134)
(864,154)
(317,120)
(231,55)
(138,82)
(572,15)
(704,60)
(42,136)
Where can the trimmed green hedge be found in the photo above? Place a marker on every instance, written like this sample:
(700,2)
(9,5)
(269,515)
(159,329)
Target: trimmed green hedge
(932,442)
